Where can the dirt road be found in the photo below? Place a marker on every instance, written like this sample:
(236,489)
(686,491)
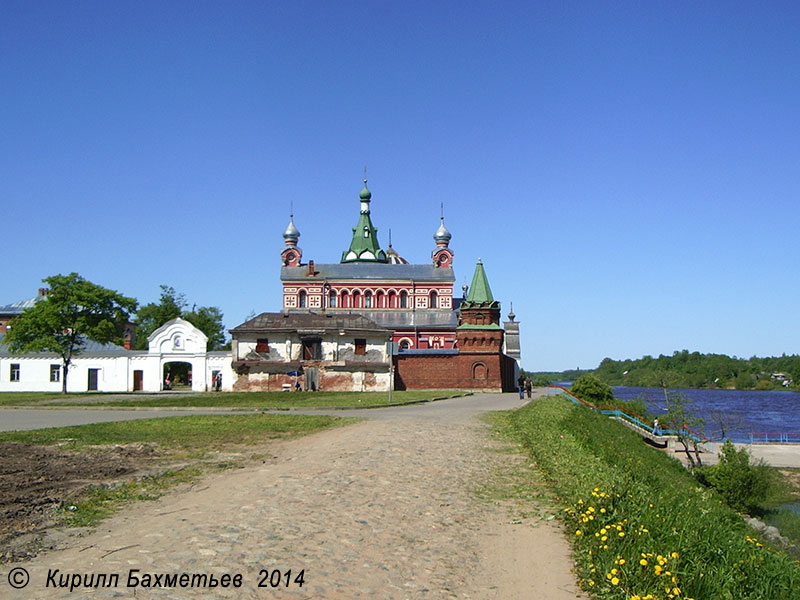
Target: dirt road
(383,509)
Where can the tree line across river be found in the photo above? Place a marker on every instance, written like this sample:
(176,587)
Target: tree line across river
(686,369)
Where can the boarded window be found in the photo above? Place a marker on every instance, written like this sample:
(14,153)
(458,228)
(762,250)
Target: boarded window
(361,346)
(312,349)
(262,345)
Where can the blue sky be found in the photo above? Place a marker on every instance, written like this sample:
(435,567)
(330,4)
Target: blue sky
(627,171)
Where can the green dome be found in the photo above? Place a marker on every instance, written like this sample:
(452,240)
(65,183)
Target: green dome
(365,193)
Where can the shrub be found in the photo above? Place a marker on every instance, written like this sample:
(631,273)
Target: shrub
(743,485)
(589,388)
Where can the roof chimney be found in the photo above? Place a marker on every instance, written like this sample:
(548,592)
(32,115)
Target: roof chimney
(311,271)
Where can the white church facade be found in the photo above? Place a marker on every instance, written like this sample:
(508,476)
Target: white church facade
(110,368)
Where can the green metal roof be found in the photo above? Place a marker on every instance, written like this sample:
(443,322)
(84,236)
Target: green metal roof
(365,246)
(480,294)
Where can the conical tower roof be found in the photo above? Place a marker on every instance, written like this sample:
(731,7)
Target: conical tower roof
(480,294)
(365,246)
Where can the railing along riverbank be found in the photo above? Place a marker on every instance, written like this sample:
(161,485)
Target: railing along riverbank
(774,438)
(638,422)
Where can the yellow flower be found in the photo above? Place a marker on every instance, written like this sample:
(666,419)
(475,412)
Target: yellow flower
(621,534)
(674,555)
(615,581)
(578,532)
(643,562)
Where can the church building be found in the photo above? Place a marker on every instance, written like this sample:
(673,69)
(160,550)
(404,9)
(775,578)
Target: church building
(435,340)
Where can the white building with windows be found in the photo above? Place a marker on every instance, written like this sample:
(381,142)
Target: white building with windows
(112,368)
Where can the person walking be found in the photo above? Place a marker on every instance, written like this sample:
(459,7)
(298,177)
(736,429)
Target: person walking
(528,387)
(521,387)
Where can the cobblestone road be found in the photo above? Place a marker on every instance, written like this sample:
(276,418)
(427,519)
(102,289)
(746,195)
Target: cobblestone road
(382,509)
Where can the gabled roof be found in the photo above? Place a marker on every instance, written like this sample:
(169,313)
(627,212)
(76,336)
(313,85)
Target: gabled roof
(370,271)
(308,321)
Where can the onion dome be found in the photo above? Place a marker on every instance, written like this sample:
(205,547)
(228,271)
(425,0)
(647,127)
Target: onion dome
(291,234)
(365,194)
(442,235)
(511,314)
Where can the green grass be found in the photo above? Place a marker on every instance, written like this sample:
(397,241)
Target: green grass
(191,432)
(185,437)
(30,398)
(229,399)
(640,524)
(99,502)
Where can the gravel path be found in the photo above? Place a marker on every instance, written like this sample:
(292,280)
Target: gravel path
(382,509)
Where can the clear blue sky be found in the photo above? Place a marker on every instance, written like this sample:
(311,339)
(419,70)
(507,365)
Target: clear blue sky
(628,172)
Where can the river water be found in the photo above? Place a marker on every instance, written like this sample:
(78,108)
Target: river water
(747,411)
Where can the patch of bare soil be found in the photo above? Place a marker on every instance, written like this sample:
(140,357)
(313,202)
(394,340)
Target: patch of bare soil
(36,480)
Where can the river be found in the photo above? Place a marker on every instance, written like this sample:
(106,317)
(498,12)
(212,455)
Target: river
(773,412)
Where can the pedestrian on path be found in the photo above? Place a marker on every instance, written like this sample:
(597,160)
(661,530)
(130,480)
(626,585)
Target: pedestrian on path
(528,387)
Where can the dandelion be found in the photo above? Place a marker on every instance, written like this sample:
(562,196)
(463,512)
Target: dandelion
(615,581)
(643,562)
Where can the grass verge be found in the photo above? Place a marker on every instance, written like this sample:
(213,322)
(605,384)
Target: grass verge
(191,432)
(186,439)
(228,399)
(640,525)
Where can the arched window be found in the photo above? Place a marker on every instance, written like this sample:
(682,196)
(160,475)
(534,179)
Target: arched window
(356,300)
(332,299)
(345,299)
(368,300)
(303,299)
(380,300)
(403,299)
(404,344)
(392,300)
(434,300)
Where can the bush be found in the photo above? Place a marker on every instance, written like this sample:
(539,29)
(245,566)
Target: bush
(589,388)
(743,485)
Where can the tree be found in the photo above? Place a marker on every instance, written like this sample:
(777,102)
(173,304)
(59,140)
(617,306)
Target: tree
(208,319)
(74,312)
(685,424)
(589,388)
(172,305)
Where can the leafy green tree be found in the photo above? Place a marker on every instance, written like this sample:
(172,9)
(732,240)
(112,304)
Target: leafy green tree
(172,305)
(589,388)
(74,311)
